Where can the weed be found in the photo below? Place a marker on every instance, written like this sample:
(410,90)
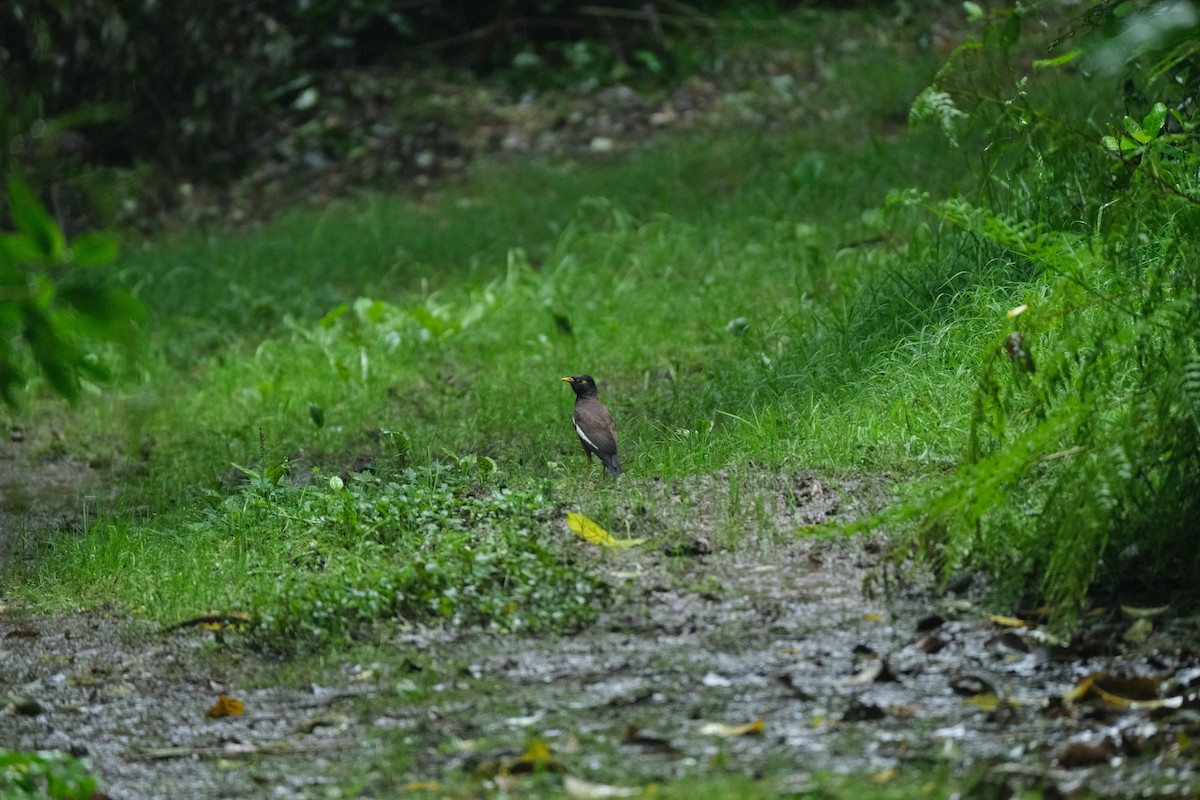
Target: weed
(44,774)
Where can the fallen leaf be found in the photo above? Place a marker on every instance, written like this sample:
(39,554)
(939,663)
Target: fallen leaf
(728,731)
(988,701)
(1139,631)
(635,737)
(324,721)
(1137,692)
(28,634)
(1140,613)
(886,776)
(536,758)
(422,786)
(578,789)
(590,531)
(1079,754)
(225,706)
(971,685)
(1007,622)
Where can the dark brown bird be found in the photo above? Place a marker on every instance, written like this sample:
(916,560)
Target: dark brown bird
(594,423)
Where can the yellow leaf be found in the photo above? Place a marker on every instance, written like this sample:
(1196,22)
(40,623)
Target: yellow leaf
(586,529)
(727,731)
(1006,622)
(886,776)
(536,758)
(1079,692)
(422,786)
(988,701)
(225,706)
(538,751)
(1134,692)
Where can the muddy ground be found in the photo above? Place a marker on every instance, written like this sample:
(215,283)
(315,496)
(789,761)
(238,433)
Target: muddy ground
(772,656)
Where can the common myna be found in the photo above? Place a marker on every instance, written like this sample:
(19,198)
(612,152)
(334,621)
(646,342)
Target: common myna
(593,423)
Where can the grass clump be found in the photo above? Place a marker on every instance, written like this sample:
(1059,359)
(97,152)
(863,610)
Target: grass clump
(319,559)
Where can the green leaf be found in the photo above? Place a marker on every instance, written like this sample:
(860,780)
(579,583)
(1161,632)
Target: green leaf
(429,322)
(974,12)
(54,357)
(1152,123)
(30,217)
(1057,61)
(94,249)
(10,380)
(18,248)
(330,319)
(1010,32)
(103,305)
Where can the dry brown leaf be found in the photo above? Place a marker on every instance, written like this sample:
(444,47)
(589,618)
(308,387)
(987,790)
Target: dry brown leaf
(226,706)
(28,634)
(1080,754)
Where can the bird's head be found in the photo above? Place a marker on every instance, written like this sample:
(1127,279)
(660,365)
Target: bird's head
(584,385)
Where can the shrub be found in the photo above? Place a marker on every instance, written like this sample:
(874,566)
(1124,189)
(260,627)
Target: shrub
(1083,462)
(52,301)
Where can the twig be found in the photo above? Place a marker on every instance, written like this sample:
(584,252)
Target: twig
(239,750)
(652,17)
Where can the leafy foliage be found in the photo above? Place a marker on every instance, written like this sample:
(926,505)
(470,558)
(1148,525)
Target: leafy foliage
(51,300)
(1084,450)
(44,774)
(233,71)
(423,545)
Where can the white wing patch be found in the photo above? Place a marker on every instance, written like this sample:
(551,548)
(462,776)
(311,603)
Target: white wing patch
(583,435)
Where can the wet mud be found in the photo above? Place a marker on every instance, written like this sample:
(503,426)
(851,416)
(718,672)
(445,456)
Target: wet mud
(775,656)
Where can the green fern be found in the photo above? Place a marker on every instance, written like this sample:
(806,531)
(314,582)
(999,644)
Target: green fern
(1081,474)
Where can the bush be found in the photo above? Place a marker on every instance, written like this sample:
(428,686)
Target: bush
(52,301)
(1083,463)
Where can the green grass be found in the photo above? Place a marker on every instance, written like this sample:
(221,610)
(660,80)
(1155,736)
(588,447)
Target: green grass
(733,294)
(742,297)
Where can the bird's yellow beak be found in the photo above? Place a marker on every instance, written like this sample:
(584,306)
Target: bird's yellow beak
(569,380)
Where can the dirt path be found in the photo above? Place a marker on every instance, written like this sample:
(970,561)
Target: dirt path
(775,634)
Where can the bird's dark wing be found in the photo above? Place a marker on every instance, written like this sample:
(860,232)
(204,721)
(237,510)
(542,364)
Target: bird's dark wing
(595,427)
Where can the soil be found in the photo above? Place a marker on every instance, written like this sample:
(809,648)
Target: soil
(773,656)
